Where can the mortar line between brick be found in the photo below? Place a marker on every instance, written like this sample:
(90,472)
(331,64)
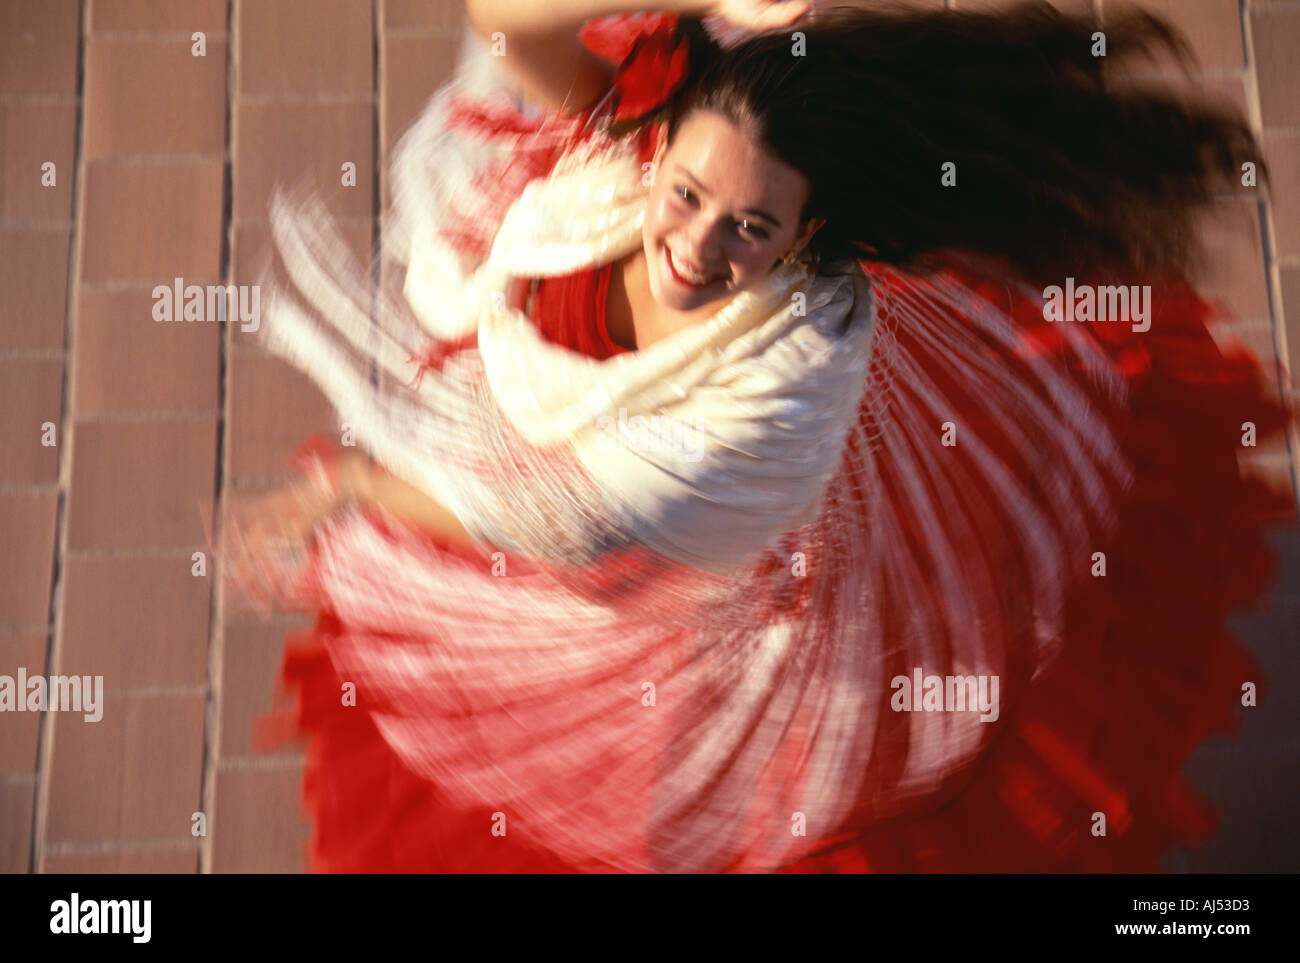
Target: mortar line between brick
(50,224)
(177,691)
(216,607)
(343,220)
(308,98)
(272,762)
(157,160)
(19,628)
(77,847)
(1268,241)
(29,488)
(37,100)
(377,165)
(139,417)
(177,552)
(31,354)
(53,649)
(446,33)
(1243,14)
(130,285)
(155,36)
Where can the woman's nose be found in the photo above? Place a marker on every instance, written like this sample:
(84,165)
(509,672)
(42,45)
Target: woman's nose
(705,239)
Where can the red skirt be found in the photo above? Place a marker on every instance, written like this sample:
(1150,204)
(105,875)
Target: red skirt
(1149,669)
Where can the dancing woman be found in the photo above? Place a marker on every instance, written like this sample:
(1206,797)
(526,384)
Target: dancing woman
(744,497)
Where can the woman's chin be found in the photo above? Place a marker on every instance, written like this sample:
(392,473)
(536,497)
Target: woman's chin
(676,297)
(668,295)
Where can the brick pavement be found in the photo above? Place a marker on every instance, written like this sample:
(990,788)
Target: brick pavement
(162,165)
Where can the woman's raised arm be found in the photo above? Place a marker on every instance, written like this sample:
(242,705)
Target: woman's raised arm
(542,50)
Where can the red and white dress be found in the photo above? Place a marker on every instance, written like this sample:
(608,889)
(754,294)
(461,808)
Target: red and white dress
(478,712)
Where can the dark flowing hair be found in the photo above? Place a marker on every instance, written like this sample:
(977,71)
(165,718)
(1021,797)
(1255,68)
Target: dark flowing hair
(1056,172)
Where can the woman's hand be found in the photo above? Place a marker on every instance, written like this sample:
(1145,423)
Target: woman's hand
(265,537)
(761,15)
(292,513)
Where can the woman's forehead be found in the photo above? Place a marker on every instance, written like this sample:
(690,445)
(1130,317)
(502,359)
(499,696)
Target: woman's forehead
(725,160)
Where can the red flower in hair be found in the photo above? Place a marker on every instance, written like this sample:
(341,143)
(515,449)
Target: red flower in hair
(652,59)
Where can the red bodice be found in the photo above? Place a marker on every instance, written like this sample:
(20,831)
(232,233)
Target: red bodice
(570,311)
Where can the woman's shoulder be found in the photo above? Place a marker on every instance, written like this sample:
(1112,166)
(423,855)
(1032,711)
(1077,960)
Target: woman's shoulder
(839,309)
(810,358)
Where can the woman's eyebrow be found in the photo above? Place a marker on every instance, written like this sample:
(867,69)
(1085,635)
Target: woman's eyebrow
(749,210)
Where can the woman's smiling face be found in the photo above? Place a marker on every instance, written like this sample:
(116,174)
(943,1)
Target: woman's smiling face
(721,213)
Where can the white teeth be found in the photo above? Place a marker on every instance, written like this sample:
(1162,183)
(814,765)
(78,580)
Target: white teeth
(688,275)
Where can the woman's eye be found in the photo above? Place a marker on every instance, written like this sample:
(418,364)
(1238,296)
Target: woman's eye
(684,193)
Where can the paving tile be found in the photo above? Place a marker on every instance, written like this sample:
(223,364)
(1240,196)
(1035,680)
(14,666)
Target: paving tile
(26,565)
(1272,466)
(1282,151)
(20,731)
(1256,337)
(158,15)
(134,774)
(296,144)
(404,14)
(415,67)
(1273,637)
(1276,36)
(34,277)
(140,484)
(152,861)
(305,46)
(273,408)
(1291,311)
(31,398)
(1285,541)
(38,47)
(1212,27)
(152,222)
(250,666)
(128,362)
(259,826)
(31,136)
(136,621)
(1226,92)
(1234,265)
(1257,792)
(154,97)
(253,258)
(255,263)
(16,826)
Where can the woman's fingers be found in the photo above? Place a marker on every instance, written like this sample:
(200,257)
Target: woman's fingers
(266,538)
(784,14)
(760,15)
